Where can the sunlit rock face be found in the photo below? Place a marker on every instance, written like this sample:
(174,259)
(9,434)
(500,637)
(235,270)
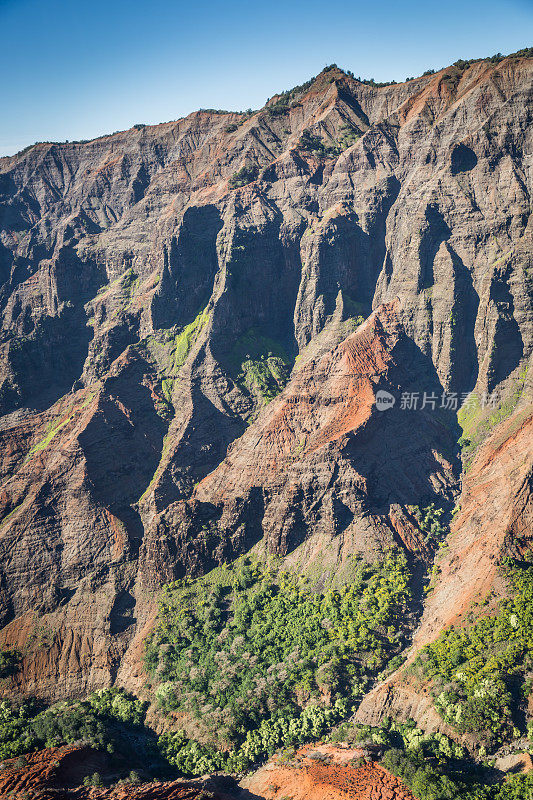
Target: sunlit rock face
(190,353)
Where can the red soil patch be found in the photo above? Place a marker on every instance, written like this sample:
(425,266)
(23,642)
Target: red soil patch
(56,774)
(324,773)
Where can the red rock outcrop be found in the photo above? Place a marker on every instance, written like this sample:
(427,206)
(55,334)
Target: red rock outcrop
(324,772)
(315,472)
(135,284)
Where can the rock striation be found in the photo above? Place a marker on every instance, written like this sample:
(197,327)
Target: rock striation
(195,320)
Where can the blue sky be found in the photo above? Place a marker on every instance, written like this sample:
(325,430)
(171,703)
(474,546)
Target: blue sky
(75,70)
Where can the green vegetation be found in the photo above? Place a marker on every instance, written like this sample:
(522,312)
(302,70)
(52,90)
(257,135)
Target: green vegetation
(56,425)
(164,453)
(245,115)
(265,376)
(281,106)
(11,513)
(183,341)
(430,764)
(430,777)
(52,429)
(453,74)
(288,98)
(260,659)
(260,365)
(429,520)
(128,281)
(311,143)
(349,136)
(98,721)
(433,765)
(372,82)
(9,662)
(477,422)
(170,349)
(16,736)
(250,651)
(166,388)
(526,52)
(125,283)
(351,324)
(478,670)
(93,780)
(245,175)
(192,758)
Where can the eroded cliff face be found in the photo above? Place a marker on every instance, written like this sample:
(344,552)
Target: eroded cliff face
(150,310)
(324,471)
(494,521)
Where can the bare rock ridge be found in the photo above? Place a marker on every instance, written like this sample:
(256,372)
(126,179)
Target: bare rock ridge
(195,320)
(316,466)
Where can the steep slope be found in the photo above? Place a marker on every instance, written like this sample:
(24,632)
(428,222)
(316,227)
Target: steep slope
(315,772)
(315,469)
(494,522)
(154,298)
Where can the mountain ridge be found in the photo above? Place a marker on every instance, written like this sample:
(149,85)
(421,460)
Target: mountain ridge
(194,325)
(296,90)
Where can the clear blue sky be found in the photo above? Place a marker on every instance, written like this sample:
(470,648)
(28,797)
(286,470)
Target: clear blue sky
(75,70)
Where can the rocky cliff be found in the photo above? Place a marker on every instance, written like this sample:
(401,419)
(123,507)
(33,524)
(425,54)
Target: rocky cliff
(196,319)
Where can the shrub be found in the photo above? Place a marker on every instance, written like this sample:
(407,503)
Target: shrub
(474,668)
(278,108)
(134,778)
(93,780)
(96,721)
(15,734)
(245,175)
(249,644)
(9,662)
(311,143)
(430,522)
